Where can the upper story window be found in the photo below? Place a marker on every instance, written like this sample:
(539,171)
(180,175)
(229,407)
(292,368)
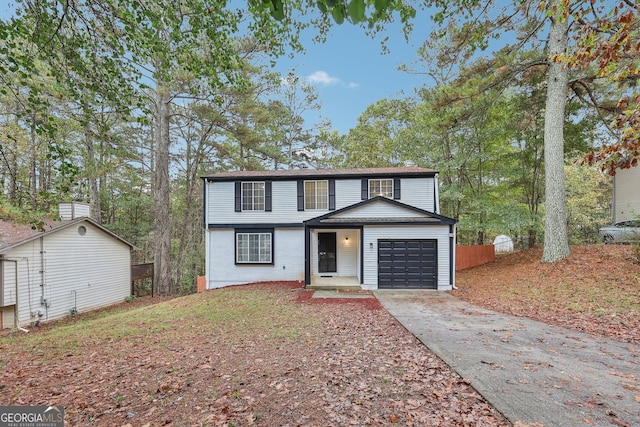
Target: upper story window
(316,195)
(253,196)
(381,187)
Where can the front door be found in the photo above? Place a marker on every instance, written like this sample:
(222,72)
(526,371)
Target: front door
(327,253)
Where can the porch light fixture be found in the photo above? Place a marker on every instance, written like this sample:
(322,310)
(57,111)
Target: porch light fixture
(370,245)
(346,238)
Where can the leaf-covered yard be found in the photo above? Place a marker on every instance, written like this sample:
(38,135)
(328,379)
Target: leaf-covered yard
(268,354)
(595,290)
(251,355)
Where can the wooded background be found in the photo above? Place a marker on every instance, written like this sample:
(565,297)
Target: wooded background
(125,104)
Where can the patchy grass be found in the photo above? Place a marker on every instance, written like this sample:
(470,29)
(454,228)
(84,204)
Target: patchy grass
(261,355)
(233,312)
(596,289)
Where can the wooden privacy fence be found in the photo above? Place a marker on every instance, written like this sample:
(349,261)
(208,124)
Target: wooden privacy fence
(139,272)
(201,283)
(470,256)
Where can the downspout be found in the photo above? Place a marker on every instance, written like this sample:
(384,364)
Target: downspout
(206,234)
(452,255)
(43,298)
(307,255)
(361,255)
(436,195)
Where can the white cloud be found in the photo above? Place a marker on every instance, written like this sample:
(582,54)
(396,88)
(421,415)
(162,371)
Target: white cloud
(323,78)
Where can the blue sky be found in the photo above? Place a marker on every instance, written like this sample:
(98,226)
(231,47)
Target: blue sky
(350,72)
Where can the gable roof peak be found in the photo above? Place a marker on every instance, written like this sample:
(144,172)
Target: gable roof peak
(16,234)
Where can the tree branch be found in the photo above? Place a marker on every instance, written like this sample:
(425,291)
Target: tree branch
(594,102)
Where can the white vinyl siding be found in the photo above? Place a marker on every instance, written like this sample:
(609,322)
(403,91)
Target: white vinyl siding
(288,242)
(70,270)
(316,195)
(253,248)
(253,196)
(379,209)
(418,192)
(288,258)
(370,237)
(72,210)
(381,187)
(627,194)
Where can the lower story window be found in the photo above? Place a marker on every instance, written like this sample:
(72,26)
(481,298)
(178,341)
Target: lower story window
(254,247)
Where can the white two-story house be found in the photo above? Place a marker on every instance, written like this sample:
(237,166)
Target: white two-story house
(376,228)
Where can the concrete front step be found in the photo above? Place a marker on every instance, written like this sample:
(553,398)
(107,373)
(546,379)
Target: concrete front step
(333,287)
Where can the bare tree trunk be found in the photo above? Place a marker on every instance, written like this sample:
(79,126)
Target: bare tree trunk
(186,232)
(101,187)
(556,241)
(93,180)
(33,159)
(13,171)
(185,222)
(162,221)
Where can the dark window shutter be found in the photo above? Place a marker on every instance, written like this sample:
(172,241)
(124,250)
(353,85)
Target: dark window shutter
(332,194)
(365,189)
(238,196)
(267,196)
(396,188)
(300,195)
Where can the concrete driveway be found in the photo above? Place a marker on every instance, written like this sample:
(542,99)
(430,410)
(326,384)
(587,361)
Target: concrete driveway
(530,371)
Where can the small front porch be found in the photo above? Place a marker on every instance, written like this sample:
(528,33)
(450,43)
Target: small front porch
(333,258)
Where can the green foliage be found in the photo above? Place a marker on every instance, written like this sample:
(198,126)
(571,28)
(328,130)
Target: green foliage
(370,12)
(81,81)
(85,78)
(376,141)
(8,212)
(588,202)
(485,137)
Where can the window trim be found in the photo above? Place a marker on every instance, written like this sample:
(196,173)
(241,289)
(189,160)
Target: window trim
(390,194)
(332,193)
(259,232)
(315,195)
(253,201)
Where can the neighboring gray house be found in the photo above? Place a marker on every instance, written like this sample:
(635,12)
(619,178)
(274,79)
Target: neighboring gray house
(373,228)
(63,268)
(626,194)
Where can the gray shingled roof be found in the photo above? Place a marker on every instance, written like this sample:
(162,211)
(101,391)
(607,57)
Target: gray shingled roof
(14,234)
(293,173)
(10,233)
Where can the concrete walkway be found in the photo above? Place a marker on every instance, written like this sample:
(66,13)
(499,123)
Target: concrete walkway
(529,371)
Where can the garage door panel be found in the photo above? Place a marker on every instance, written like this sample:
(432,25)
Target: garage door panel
(407,264)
